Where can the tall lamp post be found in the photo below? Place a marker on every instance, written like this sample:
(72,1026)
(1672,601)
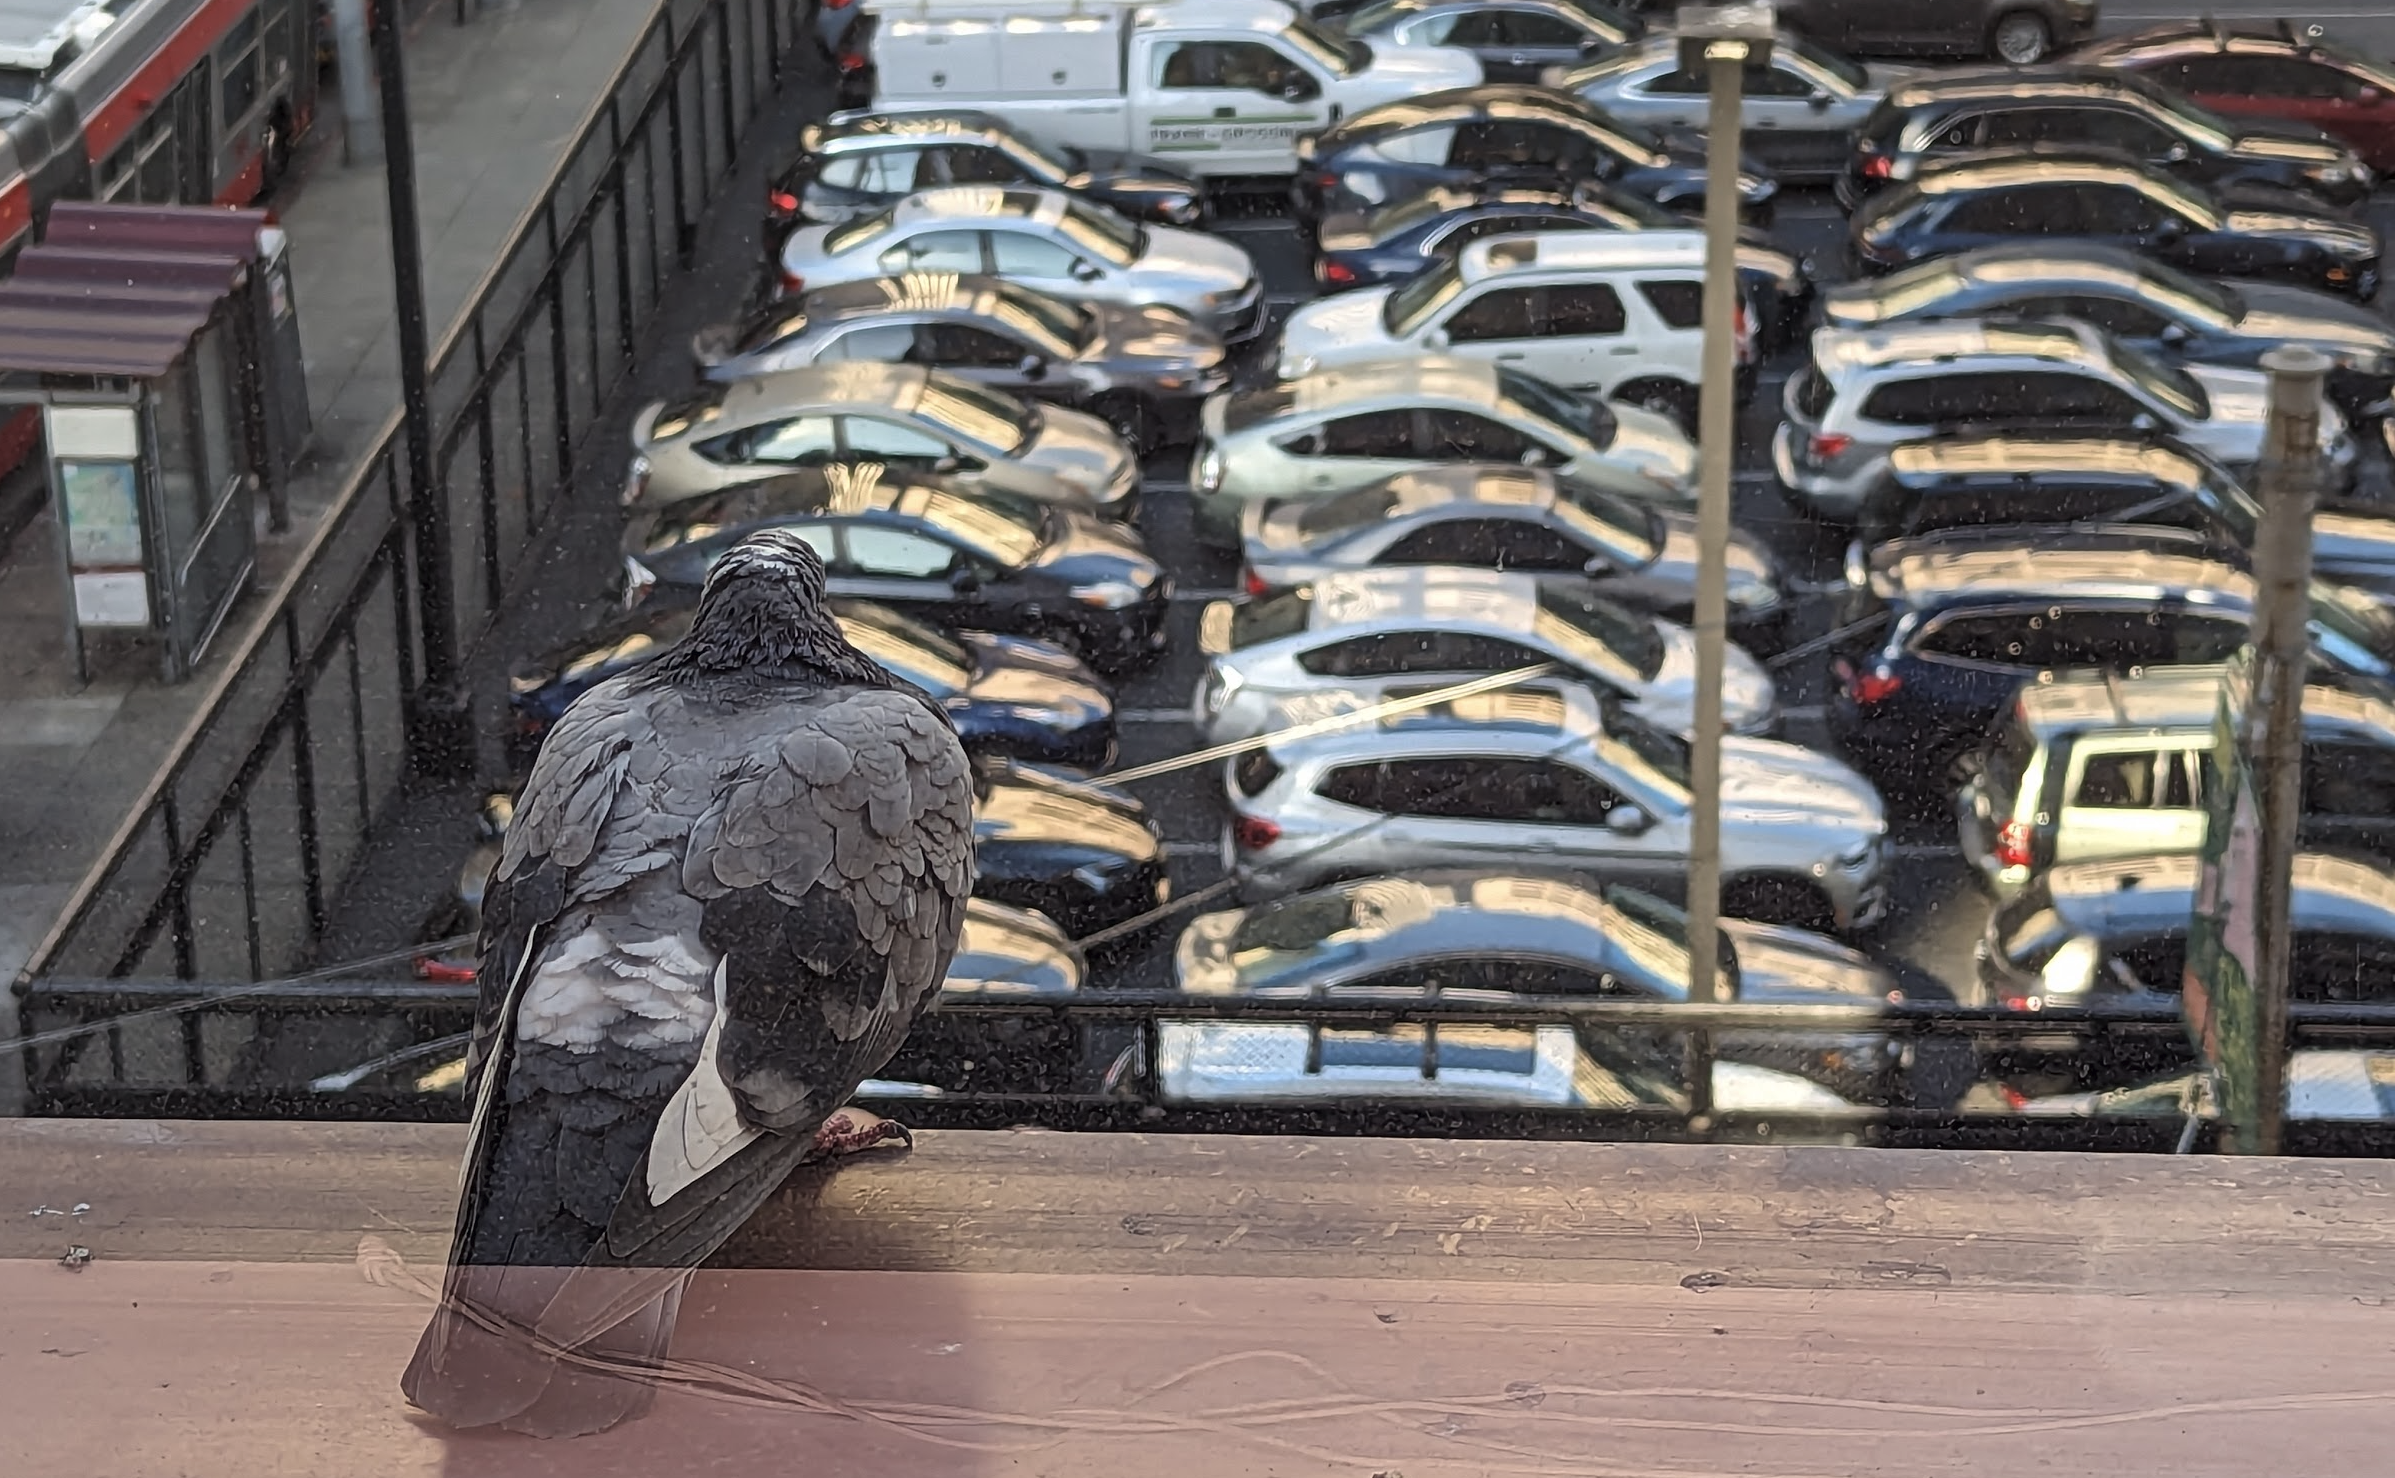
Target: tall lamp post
(1721,42)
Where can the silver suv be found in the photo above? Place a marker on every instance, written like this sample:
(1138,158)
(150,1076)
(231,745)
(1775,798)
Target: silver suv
(1868,391)
(1547,774)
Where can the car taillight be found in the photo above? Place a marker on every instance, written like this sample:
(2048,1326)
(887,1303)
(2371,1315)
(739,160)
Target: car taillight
(1326,182)
(781,202)
(1254,584)
(2012,844)
(447,972)
(1827,444)
(1253,833)
(1335,274)
(1874,686)
(852,61)
(792,283)
(2014,1098)
(836,4)
(1743,328)
(1878,167)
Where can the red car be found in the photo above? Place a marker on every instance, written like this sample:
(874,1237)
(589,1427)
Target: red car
(2271,73)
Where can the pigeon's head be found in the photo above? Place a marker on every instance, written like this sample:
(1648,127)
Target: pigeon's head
(763,610)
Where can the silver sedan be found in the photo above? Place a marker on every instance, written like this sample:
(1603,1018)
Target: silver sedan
(1800,110)
(1055,243)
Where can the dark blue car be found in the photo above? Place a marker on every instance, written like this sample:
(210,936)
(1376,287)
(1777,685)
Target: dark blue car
(1028,700)
(1506,135)
(1360,248)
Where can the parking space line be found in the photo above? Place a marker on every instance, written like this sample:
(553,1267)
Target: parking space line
(1204,594)
(1151,715)
(1194,849)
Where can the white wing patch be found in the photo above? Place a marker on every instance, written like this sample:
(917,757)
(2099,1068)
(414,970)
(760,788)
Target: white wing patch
(642,992)
(701,1127)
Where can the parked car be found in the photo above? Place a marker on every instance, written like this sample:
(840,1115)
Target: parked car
(2016,31)
(1006,695)
(1514,40)
(1364,248)
(896,415)
(1798,110)
(2247,72)
(855,163)
(2094,765)
(915,542)
(1059,244)
(1339,429)
(1366,633)
(1972,614)
(1086,855)
(2142,302)
(1140,370)
(1868,391)
(1508,134)
(2116,931)
(1615,315)
(1550,773)
(2048,194)
(1512,518)
(2033,477)
(1947,114)
(1508,934)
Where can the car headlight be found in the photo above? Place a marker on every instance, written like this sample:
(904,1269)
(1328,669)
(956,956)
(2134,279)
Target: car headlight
(1107,595)
(1206,477)
(1187,211)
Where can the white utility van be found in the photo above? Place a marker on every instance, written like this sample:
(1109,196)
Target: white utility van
(1217,87)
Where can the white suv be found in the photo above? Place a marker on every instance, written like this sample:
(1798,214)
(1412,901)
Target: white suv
(1618,314)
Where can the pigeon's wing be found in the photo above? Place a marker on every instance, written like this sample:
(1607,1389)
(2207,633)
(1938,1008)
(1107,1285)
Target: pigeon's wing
(834,870)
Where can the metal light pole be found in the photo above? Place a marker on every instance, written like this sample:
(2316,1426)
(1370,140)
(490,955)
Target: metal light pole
(2282,650)
(361,130)
(1721,41)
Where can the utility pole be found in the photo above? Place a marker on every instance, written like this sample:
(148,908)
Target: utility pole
(1720,42)
(361,130)
(440,731)
(2282,649)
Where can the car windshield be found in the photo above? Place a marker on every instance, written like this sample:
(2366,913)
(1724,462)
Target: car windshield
(1598,635)
(1062,329)
(1652,938)
(2352,629)
(1102,233)
(1419,296)
(2167,383)
(2216,301)
(1005,530)
(990,418)
(1587,419)
(1049,162)
(910,649)
(842,239)
(1628,532)
(1286,940)
(1342,56)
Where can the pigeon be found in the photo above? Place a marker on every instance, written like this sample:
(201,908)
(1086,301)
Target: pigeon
(734,878)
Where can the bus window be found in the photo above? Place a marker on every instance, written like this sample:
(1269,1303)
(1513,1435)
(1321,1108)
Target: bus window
(237,62)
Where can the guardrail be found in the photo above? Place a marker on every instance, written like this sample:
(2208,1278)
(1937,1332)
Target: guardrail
(226,864)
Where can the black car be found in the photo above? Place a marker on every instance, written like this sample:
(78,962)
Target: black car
(2047,194)
(1358,248)
(853,164)
(1515,40)
(2014,31)
(2139,301)
(1084,854)
(2083,106)
(1006,695)
(1956,482)
(1504,133)
(913,541)
(1948,625)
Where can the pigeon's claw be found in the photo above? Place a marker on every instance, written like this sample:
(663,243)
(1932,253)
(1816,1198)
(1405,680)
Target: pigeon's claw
(853,1131)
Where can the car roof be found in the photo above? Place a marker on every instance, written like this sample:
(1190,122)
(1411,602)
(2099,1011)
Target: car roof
(2188,697)
(1500,100)
(2061,261)
(1842,353)
(1469,485)
(914,292)
(1268,16)
(2050,81)
(857,382)
(1416,379)
(2040,164)
(1582,251)
(2084,564)
(2031,457)
(840,488)
(947,123)
(2137,894)
(1546,710)
(1434,593)
(2181,38)
(980,203)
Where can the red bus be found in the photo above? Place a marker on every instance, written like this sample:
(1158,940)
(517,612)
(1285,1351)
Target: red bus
(157,102)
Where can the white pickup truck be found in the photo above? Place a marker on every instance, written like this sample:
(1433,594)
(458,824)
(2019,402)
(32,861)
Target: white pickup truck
(1217,87)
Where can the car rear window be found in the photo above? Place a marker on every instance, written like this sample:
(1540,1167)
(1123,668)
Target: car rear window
(1255,771)
(2008,758)
(1680,304)
(1254,621)
(1254,407)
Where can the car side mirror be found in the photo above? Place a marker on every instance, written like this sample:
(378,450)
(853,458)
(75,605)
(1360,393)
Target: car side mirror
(2174,333)
(2175,154)
(1596,565)
(965,580)
(1434,338)
(1086,271)
(1627,820)
(2169,232)
(1297,87)
(1819,100)
(949,462)
(2144,421)
(1033,367)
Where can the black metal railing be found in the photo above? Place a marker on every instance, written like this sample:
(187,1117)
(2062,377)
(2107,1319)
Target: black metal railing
(226,864)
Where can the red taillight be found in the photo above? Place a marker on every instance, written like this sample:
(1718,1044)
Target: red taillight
(1253,833)
(2012,844)
(781,202)
(2014,1098)
(1878,167)
(1336,274)
(1743,328)
(792,283)
(836,4)
(1874,686)
(447,972)
(1827,444)
(852,61)
(1326,182)
(1254,584)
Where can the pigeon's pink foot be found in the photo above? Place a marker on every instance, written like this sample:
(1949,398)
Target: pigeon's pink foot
(852,1131)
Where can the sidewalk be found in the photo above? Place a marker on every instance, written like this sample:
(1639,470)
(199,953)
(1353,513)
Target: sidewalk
(494,104)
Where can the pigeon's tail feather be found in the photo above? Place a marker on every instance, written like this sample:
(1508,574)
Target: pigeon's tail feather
(479,1365)
(582,1398)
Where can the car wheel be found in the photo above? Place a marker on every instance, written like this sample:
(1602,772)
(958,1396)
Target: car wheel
(1789,901)
(2020,37)
(1133,419)
(1665,397)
